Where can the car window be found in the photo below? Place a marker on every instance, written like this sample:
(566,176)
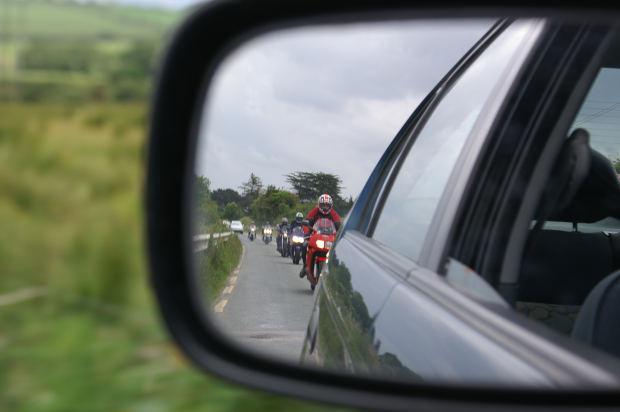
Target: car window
(578,247)
(415,194)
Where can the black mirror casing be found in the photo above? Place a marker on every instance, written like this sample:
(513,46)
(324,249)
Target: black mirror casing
(215,29)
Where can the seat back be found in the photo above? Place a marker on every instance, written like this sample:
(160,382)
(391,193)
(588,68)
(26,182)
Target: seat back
(562,267)
(598,322)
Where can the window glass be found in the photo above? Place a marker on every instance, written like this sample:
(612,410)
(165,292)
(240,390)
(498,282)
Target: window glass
(414,197)
(600,114)
(567,259)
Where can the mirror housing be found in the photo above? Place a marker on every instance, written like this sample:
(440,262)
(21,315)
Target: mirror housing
(305,222)
(215,29)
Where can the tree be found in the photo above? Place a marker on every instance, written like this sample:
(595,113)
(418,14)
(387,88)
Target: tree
(274,204)
(202,188)
(224,196)
(250,191)
(309,186)
(232,211)
(343,206)
(205,209)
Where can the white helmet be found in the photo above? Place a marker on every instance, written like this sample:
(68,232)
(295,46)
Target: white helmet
(325,203)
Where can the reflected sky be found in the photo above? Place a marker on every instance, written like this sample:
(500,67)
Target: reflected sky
(324,99)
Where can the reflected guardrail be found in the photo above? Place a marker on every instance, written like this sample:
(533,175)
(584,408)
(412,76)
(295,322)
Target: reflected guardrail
(201,242)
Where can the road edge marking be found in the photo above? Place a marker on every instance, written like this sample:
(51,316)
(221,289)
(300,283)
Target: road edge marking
(230,285)
(219,308)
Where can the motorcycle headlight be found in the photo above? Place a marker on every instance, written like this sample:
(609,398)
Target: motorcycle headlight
(298,239)
(285,235)
(320,244)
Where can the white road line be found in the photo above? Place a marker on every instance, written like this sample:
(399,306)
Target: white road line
(219,308)
(228,290)
(21,295)
(233,280)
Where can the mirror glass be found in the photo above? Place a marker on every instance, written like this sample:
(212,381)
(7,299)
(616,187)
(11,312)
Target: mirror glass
(292,116)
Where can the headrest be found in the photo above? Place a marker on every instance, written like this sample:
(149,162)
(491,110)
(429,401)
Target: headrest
(569,172)
(597,198)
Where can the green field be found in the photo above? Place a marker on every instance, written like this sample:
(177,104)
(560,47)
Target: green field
(67,51)
(88,337)
(32,18)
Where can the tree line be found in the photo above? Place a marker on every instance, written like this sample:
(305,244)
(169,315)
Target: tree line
(253,201)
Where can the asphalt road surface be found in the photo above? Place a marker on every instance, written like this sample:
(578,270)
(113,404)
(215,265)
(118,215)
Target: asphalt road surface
(268,306)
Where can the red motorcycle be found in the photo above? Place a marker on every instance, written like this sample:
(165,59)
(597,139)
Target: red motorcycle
(320,241)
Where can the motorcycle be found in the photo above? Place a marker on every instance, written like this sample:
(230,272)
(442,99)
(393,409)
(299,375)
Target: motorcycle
(252,233)
(297,243)
(285,246)
(282,241)
(320,242)
(267,235)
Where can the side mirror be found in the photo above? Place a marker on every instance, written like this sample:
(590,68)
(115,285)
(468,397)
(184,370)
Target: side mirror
(372,371)
(305,223)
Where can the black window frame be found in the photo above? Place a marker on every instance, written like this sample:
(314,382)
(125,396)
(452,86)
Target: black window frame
(493,222)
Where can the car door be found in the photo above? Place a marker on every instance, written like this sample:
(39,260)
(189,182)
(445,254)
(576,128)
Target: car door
(396,300)
(364,270)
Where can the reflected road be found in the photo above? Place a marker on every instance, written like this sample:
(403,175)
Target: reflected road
(269,306)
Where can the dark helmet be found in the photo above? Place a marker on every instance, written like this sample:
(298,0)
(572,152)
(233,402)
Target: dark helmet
(325,203)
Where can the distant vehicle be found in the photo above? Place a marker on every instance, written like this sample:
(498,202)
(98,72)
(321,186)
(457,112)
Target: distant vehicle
(236,226)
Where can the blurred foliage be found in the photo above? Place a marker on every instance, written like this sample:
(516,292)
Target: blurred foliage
(224,196)
(67,51)
(79,330)
(274,204)
(232,211)
(71,214)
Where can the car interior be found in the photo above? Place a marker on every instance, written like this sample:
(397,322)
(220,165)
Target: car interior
(570,271)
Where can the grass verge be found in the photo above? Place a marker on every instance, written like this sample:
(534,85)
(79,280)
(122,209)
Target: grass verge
(217,262)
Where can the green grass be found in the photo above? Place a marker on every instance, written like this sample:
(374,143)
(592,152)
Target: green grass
(72,224)
(44,18)
(216,264)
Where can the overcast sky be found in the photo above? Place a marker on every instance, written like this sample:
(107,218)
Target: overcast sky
(324,99)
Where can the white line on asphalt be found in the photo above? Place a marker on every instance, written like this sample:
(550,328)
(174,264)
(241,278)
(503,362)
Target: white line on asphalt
(228,290)
(233,280)
(219,308)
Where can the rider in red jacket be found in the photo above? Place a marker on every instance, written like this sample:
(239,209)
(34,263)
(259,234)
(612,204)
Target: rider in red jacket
(324,209)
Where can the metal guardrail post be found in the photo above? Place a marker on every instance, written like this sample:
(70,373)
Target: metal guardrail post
(201,242)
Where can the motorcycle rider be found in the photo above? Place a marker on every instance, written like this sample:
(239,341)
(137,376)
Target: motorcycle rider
(323,209)
(299,217)
(266,226)
(251,228)
(282,227)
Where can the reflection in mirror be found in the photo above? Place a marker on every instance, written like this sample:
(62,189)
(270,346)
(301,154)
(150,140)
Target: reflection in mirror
(294,123)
